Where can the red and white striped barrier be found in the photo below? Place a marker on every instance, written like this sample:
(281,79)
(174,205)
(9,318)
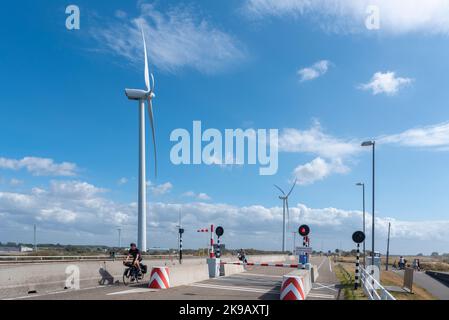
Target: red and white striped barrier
(160,278)
(292,288)
(261,264)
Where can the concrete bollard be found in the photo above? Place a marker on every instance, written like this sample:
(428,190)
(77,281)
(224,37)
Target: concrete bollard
(292,288)
(160,278)
(214,267)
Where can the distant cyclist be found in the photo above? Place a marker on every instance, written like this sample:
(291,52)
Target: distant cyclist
(242,256)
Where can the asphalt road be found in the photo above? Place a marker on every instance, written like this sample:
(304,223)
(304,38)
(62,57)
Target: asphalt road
(434,287)
(257,283)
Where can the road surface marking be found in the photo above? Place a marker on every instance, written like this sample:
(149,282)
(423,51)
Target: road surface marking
(244,289)
(322,286)
(53,292)
(259,275)
(324,259)
(137,290)
(319,295)
(330,264)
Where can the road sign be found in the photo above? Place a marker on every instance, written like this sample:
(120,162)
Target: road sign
(219,231)
(304,230)
(358,237)
(303,250)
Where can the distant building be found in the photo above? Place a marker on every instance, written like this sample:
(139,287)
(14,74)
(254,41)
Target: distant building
(15,249)
(26,249)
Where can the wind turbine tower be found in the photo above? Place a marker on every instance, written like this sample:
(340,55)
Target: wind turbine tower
(141,96)
(284,198)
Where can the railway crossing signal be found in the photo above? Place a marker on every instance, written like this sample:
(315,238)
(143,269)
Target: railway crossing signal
(304,230)
(358,237)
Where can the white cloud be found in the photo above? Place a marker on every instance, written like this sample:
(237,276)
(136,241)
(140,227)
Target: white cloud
(122,181)
(318,169)
(316,70)
(15,182)
(434,136)
(252,225)
(316,141)
(347,16)
(65,206)
(40,166)
(160,189)
(200,196)
(203,196)
(176,38)
(386,83)
(331,152)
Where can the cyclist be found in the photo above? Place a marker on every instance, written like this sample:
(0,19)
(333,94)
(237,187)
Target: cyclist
(242,256)
(136,255)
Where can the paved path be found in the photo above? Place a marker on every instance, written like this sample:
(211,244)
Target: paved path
(257,283)
(434,287)
(326,287)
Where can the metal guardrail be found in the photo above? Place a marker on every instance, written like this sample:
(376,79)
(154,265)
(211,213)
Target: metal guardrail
(29,259)
(372,288)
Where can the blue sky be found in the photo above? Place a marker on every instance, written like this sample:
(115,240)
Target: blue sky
(314,73)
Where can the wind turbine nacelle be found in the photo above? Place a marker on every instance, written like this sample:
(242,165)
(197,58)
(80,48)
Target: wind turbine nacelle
(136,94)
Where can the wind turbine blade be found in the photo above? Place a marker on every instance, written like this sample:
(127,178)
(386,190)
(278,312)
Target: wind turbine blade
(152,82)
(294,184)
(150,113)
(280,190)
(147,72)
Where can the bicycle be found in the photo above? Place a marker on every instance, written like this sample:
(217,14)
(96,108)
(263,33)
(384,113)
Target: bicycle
(133,274)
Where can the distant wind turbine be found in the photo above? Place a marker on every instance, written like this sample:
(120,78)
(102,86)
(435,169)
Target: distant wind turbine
(141,96)
(284,199)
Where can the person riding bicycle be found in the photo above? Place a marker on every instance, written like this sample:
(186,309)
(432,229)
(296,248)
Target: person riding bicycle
(242,256)
(136,255)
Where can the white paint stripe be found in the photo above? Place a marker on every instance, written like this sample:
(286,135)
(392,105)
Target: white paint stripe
(324,259)
(244,289)
(138,290)
(119,276)
(330,264)
(259,275)
(321,286)
(323,296)
(53,292)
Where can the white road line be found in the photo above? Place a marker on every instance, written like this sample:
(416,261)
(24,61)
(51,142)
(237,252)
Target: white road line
(137,290)
(53,292)
(322,296)
(259,275)
(324,259)
(330,264)
(322,286)
(244,289)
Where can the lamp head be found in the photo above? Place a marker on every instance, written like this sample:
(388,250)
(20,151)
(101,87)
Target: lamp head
(368,143)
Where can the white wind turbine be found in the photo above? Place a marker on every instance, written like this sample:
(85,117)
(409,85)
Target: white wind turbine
(284,199)
(141,96)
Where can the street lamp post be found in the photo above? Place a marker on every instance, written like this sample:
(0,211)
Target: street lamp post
(388,245)
(364,252)
(373,144)
(119,237)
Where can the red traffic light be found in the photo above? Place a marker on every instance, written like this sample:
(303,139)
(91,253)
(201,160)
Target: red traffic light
(304,230)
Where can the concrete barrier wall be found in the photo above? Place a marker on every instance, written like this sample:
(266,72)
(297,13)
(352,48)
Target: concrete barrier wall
(19,280)
(305,275)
